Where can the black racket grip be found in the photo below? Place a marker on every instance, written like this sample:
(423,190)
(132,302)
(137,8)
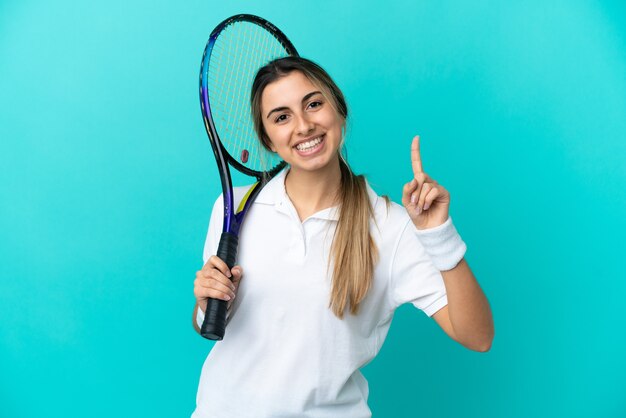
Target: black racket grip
(214,323)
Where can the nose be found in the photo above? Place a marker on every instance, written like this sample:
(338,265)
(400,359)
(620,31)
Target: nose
(305,126)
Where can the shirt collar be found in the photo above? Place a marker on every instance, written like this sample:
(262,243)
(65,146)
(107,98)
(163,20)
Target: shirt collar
(274,193)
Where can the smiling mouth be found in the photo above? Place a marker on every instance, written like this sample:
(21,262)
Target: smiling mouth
(310,144)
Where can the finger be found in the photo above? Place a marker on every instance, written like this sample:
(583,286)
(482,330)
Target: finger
(416,159)
(421,179)
(417,197)
(204,288)
(212,286)
(237,271)
(216,262)
(218,276)
(430,197)
(407,191)
(422,197)
(209,292)
(237,274)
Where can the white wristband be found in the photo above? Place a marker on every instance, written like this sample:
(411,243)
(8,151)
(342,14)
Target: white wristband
(443,244)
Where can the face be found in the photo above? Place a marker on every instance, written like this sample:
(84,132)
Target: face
(302,125)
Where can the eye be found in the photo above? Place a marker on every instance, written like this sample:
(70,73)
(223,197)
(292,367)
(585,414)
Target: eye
(280,118)
(315,104)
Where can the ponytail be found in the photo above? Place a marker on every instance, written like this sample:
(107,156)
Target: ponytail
(353,250)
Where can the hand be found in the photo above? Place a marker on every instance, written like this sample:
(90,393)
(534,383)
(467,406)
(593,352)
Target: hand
(425,200)
(216,281)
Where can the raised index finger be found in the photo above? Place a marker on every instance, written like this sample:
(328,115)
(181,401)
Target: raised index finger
(416,159)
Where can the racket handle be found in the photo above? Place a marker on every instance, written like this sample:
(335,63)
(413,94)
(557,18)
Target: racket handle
(214,323)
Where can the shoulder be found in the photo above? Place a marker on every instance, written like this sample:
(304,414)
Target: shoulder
(238,193)
(387,213)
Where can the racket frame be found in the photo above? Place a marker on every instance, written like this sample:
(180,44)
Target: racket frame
(233,219)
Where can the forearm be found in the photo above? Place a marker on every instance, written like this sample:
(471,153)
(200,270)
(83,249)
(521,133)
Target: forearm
(468,308)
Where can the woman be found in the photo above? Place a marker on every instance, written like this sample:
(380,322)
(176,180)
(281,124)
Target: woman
(327,263)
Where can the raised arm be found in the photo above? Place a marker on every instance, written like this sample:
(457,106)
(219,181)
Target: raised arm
(467,318)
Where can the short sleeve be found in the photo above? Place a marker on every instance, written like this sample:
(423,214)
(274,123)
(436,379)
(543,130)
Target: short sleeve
(414,278)
(215,230)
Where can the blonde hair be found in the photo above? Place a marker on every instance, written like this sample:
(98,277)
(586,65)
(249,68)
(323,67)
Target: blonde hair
(353,250)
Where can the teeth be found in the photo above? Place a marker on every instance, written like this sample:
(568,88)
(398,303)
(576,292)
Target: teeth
(305,146)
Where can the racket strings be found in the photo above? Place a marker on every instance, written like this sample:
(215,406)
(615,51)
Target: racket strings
(238,53)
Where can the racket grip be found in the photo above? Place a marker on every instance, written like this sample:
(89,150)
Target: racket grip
(214,323)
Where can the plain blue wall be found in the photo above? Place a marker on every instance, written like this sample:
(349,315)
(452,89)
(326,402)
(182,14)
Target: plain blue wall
(107,181)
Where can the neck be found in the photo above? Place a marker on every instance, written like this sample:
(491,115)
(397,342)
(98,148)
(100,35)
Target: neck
(312,191)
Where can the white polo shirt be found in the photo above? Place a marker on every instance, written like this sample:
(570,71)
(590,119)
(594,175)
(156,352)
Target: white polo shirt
(284,353)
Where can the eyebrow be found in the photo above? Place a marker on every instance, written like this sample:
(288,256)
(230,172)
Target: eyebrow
(304,99)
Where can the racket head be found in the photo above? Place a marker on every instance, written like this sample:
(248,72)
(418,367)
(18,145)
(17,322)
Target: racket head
(236,49)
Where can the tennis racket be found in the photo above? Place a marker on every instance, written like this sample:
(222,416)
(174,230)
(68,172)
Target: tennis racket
(236,49)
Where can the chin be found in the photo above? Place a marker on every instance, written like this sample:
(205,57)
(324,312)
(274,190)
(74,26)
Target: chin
(320,163)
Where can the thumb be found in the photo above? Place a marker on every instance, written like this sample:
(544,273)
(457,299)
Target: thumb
(237,273)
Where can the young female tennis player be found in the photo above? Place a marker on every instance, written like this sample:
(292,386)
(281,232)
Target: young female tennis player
(327,262)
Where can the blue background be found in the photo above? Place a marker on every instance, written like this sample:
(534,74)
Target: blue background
(107,181)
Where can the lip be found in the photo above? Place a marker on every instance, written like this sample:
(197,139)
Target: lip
(309,139)
(316,150)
